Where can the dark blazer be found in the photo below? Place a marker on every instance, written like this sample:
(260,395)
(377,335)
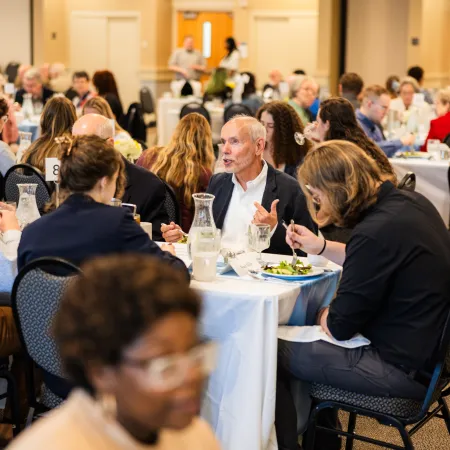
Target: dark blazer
(147,192)
(82,228)
(116,105)
(47,94)
(279,186)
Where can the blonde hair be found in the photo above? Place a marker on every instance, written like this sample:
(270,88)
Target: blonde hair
(412,81)
(100,105)
(346,175)
(297,81)
(443,96)
(57,120)
(188,154)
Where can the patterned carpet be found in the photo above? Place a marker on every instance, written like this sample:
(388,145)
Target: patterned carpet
(433,436)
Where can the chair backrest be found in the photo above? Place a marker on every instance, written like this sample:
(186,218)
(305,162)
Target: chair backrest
(36,295)
(24,173)
(408,182)
(146,98)
(447,140)
(195,107)
(442,368)
(235,109)
(2,186)
(11,71)
(134,122)
(171,204)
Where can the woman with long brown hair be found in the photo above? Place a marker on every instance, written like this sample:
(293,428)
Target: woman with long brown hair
(281,123)
(186,163)
(337,120)
(57,120)
(105,83)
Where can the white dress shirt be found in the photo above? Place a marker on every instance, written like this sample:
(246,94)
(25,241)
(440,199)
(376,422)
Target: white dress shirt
(231,62)
(9,243)
(241,211)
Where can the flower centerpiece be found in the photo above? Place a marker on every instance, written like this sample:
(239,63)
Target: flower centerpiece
(129,148)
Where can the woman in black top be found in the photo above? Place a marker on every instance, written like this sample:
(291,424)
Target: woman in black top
(106,86)
(394,290)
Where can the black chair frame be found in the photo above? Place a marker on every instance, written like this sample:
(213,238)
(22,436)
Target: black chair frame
(408,182)
(195,107)
(41,263)
(435,393)
(13,394)
(241,109)
(34,171)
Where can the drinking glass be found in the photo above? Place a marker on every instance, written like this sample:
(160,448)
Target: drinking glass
(115,202)
(259,239)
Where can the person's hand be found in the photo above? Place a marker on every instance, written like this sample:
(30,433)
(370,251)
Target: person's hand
(408,140)
(323,320)
(263,216)
(8,220)
(169,248)
(304,239)
(7,206)
(171,233)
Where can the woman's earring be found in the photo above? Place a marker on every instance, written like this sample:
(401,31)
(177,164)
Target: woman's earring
(108,404)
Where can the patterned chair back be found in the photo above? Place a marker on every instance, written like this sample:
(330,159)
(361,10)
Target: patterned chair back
(195,107)
(22,174)
(171,204)
(234,109)
(36,296)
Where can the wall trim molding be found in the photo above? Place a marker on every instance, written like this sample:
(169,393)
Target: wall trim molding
(106,13)
(254,14)
(223,5)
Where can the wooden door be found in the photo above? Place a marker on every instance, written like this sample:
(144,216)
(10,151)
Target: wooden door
(197,24)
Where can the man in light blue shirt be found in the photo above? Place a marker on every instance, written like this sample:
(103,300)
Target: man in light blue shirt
(9,242)
(374,107)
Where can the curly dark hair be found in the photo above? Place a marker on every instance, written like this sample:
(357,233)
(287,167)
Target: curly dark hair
(287,123)
(110,305)
(4,108)
(344,126)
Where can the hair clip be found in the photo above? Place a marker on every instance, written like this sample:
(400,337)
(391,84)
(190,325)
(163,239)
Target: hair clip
(65,140)
(299,138)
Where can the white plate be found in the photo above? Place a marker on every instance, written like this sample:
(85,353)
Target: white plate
(314,273)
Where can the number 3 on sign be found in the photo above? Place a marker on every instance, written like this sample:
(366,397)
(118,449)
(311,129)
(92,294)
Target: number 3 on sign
(52,169)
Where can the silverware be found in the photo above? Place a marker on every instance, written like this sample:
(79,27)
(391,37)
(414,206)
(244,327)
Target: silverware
(257,276)
(294,255)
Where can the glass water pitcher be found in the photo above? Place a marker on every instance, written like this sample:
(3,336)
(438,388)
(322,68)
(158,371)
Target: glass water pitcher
(27,211)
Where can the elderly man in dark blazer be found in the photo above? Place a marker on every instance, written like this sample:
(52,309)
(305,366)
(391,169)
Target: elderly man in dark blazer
(143,188)
(251,191)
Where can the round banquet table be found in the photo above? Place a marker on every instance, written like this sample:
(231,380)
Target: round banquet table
(432,181)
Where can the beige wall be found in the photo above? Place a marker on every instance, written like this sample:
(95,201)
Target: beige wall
(15,31)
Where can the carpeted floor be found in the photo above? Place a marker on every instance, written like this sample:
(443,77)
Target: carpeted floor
(433,436)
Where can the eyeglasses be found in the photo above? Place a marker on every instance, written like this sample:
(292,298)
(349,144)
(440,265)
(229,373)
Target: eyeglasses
(5,118)
(314,197)
(383,107)
(169,372)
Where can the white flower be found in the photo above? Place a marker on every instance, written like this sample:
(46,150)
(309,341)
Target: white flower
(129,148)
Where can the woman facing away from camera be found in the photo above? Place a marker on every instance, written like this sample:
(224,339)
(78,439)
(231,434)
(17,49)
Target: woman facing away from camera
(132,350)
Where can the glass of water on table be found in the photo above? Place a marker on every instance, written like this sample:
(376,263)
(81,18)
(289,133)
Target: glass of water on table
(259,239)
(205,248)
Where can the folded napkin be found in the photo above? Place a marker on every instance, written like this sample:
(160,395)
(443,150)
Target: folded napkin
(316,333)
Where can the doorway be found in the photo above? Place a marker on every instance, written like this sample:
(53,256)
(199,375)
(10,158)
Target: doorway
(209,29)
(102,40)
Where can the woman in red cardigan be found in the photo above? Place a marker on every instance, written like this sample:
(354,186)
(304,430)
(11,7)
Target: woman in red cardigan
(440,127)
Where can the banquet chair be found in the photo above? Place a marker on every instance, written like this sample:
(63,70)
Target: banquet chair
(391,411)
(24,173)
(234,109)
(408,182)
(194,107)
(148,106)
(171,204)
(447,140)
(36,295)
(2,187)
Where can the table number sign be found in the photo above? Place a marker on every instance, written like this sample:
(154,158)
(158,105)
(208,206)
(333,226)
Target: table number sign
(52,169)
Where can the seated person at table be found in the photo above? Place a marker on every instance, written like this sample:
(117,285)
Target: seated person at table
(7,157)
(92,173)
(440,127)
(142,188)
(382,293)
(250,191)
(82,88)
(58,118)
(418,74)
(32,84)
(186,163)
(281,123)
(131,348)
(303,93)
(374,107)
(350,88)
(271,90)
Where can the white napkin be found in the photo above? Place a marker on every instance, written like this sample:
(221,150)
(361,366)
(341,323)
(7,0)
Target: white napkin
(316,333)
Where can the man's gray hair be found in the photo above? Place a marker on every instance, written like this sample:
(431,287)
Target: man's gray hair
(33,74)
(254,127)
(105,130)
(296,83)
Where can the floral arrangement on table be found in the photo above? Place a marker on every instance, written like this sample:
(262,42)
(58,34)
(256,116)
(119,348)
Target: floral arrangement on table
(129,148)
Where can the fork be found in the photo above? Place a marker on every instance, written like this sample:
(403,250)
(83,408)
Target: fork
(294,255)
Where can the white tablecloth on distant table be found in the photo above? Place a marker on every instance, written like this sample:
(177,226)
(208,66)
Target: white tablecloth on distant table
(31,125)
(169,116)
(431,181)
(243,316)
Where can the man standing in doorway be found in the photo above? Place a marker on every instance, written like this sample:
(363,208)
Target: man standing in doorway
(186,62)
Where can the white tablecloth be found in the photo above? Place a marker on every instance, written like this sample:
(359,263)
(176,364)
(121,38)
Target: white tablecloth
(169,116)
(432,181)
(243,316)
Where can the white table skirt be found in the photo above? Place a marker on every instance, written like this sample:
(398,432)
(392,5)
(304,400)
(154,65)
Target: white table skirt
(243,316)
(432,181)
(169,116)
